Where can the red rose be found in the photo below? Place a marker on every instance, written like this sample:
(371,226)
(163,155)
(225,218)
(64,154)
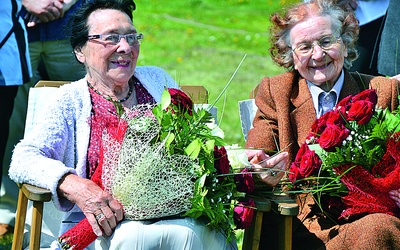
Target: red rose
(294,173)
(318,126)
(310,163)
(221,162)
(344,103)
(243,214)
(306,164)
(333,136)
(367,95)
(180,99)
(335,117)
(361,111)
(244,181)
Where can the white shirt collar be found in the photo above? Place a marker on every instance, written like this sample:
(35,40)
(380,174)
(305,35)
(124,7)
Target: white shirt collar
(315,90)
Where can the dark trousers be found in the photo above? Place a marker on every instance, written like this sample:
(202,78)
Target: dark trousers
(7,95)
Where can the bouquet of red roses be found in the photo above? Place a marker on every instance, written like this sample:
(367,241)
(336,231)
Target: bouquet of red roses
(170,159)
(352,152)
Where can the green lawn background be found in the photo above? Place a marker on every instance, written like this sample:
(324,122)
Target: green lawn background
(201,42)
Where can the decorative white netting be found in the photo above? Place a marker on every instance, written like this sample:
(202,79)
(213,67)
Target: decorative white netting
(141,175)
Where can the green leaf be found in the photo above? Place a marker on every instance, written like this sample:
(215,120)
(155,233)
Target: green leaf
(165,99)
(202,180)
(393,121)
(169,139)
(158,113)
(209,145)
(318,150)
(119,108)
(193,149)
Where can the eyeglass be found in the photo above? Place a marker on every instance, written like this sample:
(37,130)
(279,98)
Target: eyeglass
(326,43)
(114,39)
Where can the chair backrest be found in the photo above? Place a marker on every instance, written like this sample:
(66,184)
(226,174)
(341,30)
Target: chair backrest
(46,83)
(247,112)
(38,97)
(254,91)
(197,93)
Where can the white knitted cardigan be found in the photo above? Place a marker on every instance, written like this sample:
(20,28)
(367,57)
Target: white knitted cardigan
(58,142)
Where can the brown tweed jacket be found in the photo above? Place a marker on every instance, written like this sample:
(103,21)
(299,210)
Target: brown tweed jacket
(286,111)
(284,117)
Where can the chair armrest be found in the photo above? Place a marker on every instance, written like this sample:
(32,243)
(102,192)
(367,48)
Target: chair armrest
(263,205)
(34,193)
(284,205)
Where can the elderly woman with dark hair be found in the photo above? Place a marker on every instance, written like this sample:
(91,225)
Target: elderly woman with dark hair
(315,42)
(64,148)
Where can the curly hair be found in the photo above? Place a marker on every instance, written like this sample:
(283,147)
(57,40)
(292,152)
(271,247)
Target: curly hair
(343,22)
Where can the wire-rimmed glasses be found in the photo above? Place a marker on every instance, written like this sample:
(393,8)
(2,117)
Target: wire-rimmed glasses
(326,43)
(114,39)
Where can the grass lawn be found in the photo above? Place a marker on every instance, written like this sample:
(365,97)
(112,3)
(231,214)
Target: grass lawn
(6,242)
(202,42)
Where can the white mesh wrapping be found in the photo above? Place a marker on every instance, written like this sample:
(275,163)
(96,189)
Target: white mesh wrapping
(141,175)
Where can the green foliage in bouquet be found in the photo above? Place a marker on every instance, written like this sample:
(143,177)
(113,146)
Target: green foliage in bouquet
(186,131)
(193,132)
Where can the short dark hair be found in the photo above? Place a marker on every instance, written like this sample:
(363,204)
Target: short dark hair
(80,29)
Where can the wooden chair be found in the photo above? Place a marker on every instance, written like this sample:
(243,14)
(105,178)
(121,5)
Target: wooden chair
(280,206)
(38,195)
(27,192)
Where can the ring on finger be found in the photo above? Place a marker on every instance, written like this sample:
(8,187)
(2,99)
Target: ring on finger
(99,216)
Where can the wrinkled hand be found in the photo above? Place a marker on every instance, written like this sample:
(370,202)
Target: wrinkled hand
(99,207)
(261,162)
(44,10)
(348,4)
(395,195)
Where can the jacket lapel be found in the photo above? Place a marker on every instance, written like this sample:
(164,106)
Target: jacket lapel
(350,86)
(303,114)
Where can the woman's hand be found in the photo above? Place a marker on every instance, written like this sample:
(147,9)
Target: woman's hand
(262,162)
(395,195)
(99,207)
